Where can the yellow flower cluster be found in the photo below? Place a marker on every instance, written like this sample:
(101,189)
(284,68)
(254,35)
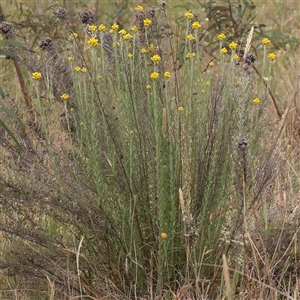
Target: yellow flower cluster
(134,29)
(148,87)
(155,58)
(189,15)
(139,8)
(122,31)
(233,45)
(164,235)
(92,27)
(36,76)
(143,50)
(271,56)
(211,63)
(127,37)
(65,96)
(154,75)
(70,58)
(114,28)
(191,37)
(224,50)
(101,27)
(265,41)
(130,55)
(73,35)
(221,36)
(93,42)
(180,108)
(167,75)
(151,48)
(256,101)
(196,25)
(147,22)
(189,55)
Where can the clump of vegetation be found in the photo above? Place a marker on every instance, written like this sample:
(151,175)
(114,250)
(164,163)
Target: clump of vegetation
(152,167)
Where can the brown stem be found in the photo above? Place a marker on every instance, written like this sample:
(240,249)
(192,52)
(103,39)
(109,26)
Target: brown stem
(270,93)
(20,76)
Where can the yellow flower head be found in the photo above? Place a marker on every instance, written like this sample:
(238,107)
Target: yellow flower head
(265,41)
(271,56)
(73,35)
(36,76)
(148,87)
(235,56)
(154,75)
(191,37)
(256,101)
(116,44)
(77,69)
(70,58)
(99,77)
(221,36)
(189,15)
(130,55)
(127,37)
(224,50)
(180,108)
(189,55)
(233,45)
(83,70)
(139,8)
(122,31)
(101,27)
(64,96)
(155,58)
(147,22)
(114,27)
(211,63)
(143,50)
(167,74)
(134,29)
(164,235)
(93,42)
(92,27)
(151,48)
(196,25)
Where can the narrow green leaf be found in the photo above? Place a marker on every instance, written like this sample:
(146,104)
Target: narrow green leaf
(2,93)
(9,132)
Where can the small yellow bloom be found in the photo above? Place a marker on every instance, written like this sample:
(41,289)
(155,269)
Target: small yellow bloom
(101,27)
(83,70)
(127,37)
(189,15)
(81,124)
(196,25)
(36,76)
(202,91)
(211,63)
(92,27)
(134,29)
(99,77)
(180,108)
(70,58)
(189,55)
(114,27)
(154,75)
(148,87)
(93,42)
(77,69)
(147,22)
(256,101)
(71,109)
(164,235)
(73,35)
(144,50)
(191,37)
(271,56)
(167,74)
(139,8)
(233,45)
(235,56)
(155,58)
(116,44)
(207,83)
(224,50)
(64,96)
(221,36)
(130,55)
(122,31)
(265,41)
(151,48)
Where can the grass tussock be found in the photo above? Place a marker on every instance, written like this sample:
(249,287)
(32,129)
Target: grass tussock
(158,162)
